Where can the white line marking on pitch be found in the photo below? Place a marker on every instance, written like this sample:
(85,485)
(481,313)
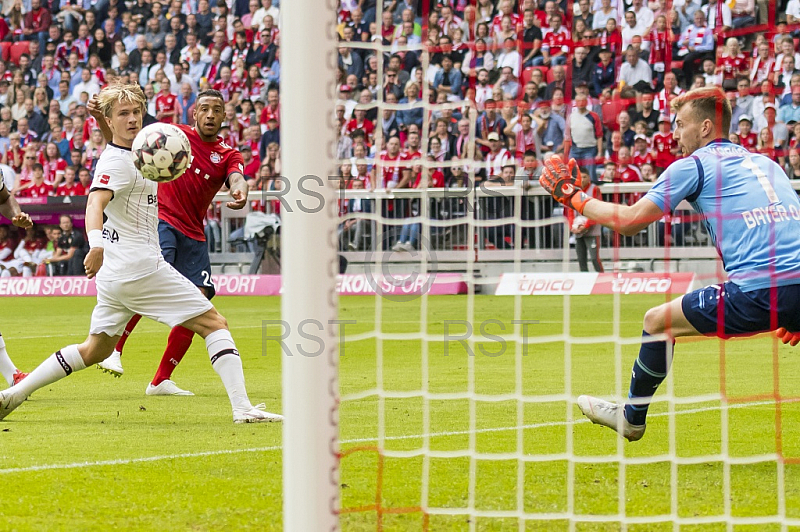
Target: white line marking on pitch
(145,459)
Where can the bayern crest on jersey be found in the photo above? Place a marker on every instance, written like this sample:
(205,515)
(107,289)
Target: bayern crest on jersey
(215,157)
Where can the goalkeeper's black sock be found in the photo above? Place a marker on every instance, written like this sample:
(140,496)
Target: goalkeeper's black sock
(649,371)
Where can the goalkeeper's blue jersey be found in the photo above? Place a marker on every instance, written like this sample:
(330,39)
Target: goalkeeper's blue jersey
(750,210)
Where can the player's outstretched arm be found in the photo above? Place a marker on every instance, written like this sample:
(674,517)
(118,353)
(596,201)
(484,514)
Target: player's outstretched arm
(239,190)
(94,109)
(10,209)
(561,181)
(95,205)
(624,219)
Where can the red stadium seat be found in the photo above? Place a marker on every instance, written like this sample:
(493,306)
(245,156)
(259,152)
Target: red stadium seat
(525,76)
(5,49)
(17,49)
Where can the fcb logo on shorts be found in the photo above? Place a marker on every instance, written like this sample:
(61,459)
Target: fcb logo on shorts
(215,157)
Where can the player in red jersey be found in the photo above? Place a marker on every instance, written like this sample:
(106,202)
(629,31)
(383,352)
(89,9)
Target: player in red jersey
(182,204)
(166,104)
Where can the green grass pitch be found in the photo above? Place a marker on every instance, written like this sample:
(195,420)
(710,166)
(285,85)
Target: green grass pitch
(94,453)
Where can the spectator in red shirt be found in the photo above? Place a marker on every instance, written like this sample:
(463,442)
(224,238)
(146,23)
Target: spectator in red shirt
(71,186)
(85,179)
(664,144)
(272,109)
(732,64)
(747,138)
(54,166)
(641,155)
(360,122)
(556,43)
(251,163)
(37,23)
(37,188)
(166,103)
(14,155)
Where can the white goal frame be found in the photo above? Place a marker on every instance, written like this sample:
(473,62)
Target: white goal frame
(309,268)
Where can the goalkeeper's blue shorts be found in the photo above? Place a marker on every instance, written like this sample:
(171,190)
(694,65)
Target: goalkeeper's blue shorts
(724,310)
(188,256)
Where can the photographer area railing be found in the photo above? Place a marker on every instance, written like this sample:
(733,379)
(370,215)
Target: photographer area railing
(506,220)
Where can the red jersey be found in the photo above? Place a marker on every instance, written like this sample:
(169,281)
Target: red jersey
(254,91)
(52,168)
(227,89)
(659,41)
(166,103)
(13,155)
(436,180)
(497,21)
(558,42)
(183,203)
(629,174)
(732,66)
(664,144)
(749,141)
(88,125)
(37,191)
(365,126)
(251,170)
(391,171)
(269,112)
(641,159)
(75,190)
(612,41)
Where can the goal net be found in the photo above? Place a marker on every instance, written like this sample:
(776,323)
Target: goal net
(460,362)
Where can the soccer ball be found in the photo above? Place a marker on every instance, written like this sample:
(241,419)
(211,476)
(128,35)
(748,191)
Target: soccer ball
(161,152)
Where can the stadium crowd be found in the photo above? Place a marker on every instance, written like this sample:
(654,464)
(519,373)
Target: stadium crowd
(534,76)
(594,78)
(56,54)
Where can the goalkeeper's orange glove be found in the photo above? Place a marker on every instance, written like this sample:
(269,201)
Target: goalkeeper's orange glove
(562,181)
(788,337)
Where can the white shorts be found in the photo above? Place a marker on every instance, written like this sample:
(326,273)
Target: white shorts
(165,296)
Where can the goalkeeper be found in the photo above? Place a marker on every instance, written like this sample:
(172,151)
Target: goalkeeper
(753,217)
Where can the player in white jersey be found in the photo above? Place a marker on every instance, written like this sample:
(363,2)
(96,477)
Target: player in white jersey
(132,276)
(10,209)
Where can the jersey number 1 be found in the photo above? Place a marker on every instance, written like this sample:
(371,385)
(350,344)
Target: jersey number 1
(762,179)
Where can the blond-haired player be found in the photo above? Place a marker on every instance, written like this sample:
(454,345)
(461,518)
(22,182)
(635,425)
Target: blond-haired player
(132,276)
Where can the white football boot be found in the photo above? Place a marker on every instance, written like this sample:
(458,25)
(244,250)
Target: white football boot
(166,387)
(113,364)
(9,401)
(255,414)
(609,415)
